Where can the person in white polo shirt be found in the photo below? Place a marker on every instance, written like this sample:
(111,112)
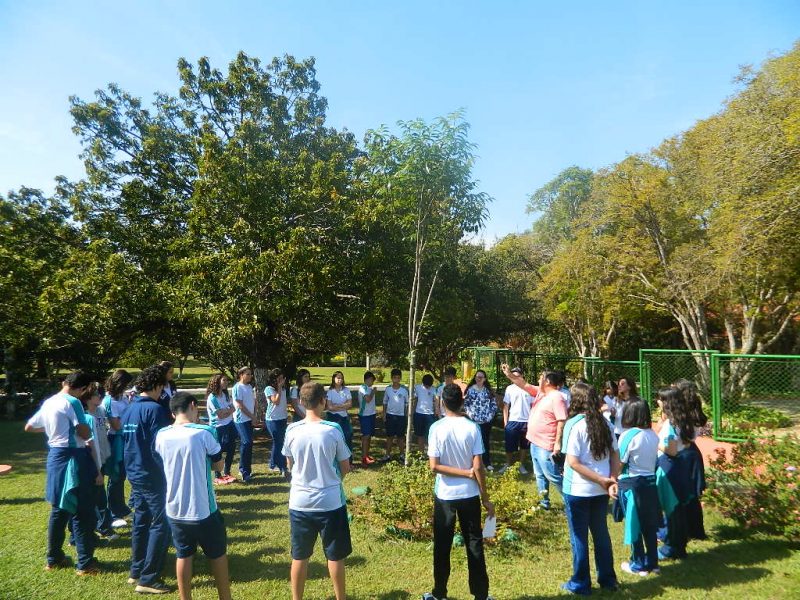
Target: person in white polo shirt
(244,400)
(71,473)
(188,453)
(517,404)
(318,457)
(426,410)
(455,451)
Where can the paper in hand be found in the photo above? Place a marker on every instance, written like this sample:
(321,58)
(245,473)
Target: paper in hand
(490,527)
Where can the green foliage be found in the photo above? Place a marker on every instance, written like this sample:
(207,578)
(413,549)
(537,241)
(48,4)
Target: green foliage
(758,485)
(403,499)
(748,419)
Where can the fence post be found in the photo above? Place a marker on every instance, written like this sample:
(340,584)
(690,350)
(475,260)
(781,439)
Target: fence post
(716,396)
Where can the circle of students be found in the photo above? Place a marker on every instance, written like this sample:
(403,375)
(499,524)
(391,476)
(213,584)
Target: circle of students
(592,449)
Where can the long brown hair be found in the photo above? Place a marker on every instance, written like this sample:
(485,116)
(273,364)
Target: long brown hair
(215,384)
(585,401)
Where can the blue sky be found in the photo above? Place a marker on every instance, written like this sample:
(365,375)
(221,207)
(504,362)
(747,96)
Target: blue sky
(544,84)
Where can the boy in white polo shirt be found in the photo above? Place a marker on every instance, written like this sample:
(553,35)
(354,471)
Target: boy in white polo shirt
(455,451)
(426,410)
(318,457)
(71,473)
(366,416)
(395,402)
(516,411)
(188,452)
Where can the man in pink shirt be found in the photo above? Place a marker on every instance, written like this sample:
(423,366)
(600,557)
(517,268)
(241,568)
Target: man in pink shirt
(545,426)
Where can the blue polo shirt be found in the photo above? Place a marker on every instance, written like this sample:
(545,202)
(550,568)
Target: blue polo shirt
(140,424)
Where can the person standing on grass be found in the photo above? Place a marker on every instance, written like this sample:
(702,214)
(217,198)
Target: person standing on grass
(220,416)
(188,452)
(545,429)
(170,388)
(150,534)
(275,419)
(395,403)
(638,500)
(115,403)
(426,410)
(516,412)
(626,389)
(694,509)
(480,406)
(455,452)
(101,454)
(366,416)
(244,401)
(303,377)
(70,473)
(449,375)
(340,399)
(592,458)
(319,457)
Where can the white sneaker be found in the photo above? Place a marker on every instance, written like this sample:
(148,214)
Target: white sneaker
(626,566)
(117,523)
(523,470)
(502,469)
(489,468)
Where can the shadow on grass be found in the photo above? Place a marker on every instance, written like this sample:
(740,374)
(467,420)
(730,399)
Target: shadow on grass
(16,501)
(728,564)
(253,567)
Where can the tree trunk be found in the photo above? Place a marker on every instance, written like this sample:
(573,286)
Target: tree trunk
(412,360)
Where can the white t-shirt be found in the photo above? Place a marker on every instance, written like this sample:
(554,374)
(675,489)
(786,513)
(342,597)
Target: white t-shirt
(58,416)
(574,483)
(641,453)
(316,449)
(455,441)
(395,400)
(667,433)
(215,402)
(611,402)
(186,452)
(366,408)
(114,407)
(339,397)
(243,394)
(567,395)
(101,448)
(276,412)
(299,409)
(618,418)
(425,399)
(519,404)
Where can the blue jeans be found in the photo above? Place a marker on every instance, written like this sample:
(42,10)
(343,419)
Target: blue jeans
(150,535)
(245,431)
(546,473)
(347,429)
(277,431)
(116,494)
(584,515)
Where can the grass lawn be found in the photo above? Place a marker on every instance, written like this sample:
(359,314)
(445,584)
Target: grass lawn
(729,565)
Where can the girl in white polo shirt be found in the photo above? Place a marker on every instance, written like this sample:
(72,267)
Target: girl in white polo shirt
(276,418)
(591,459)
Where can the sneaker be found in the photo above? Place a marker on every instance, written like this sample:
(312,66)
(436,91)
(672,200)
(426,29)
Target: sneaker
(429,596)
(153,588)
(523,470)
(133,580)
(110,537)
(489,468)
(229,478)
(93,568)
(220,481)
(117,523)
(275,469)
(61,564)
(502,469)
(385,458)
(368,459)
(655,571)
(626,566)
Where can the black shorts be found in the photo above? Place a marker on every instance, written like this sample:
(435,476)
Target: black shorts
(516,436)
(331,525)
(422,424)
(395,425)
(209,534)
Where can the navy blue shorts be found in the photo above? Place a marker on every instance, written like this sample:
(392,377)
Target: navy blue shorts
(422,424)
(209,534)
(516,436)
(395,425)
(332,526)
(367,424)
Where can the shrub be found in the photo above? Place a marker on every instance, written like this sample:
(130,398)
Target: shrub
(402,502)
(750,419)
(758,486)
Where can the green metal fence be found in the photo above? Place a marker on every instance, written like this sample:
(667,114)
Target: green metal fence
(660,368)
(754,394)
(744,395)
